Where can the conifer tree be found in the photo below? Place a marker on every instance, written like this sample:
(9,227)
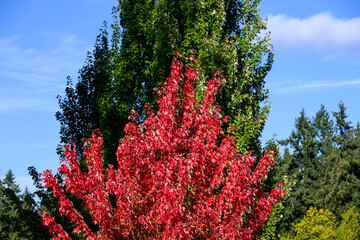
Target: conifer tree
(9,206)
(19,217)
(324,160)
(325,133)
(343,179)
(324,127)
(301,166)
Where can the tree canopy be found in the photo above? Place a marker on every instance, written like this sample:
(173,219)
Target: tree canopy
(177,177)
(125,68)
(18,212)
(321,157)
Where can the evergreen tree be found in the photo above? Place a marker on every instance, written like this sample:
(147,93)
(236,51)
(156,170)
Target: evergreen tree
(19,218)
(325,133)
(300,165)
(324,160)
(324,127)
(9,207)
(342,187)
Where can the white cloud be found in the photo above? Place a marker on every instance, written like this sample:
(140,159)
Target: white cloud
(321,31)
(281,88)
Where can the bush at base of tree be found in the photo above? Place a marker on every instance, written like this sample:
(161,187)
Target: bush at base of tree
(322,224)
(178,175)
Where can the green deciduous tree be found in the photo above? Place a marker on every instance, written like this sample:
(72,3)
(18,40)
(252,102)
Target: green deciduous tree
(80,111)
(225,34)
(124,69)
(322,224)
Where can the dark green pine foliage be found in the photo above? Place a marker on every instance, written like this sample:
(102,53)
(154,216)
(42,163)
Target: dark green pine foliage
(324,126)
(19,218)
(300,164)
(341,186)
(9,207)
(322,156)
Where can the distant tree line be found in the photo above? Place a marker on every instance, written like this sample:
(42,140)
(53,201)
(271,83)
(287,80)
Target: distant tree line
(321,160)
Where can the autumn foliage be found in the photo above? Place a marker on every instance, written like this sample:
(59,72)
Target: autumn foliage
(178,176)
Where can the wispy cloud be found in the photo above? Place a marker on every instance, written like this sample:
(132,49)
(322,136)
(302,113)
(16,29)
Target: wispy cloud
(9,103)
(286,88)
(321,31)
(33,76)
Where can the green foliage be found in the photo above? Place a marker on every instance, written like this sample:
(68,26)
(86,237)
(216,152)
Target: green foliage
(19,218)
(128,65)
(341,186)
(80,112)
(124,69)
(349,227)
(270,228)
(322,224)
(322,156)
(299,166)
(9,201)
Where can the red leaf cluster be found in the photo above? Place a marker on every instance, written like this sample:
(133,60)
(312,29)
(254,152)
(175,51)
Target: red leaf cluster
(178,176)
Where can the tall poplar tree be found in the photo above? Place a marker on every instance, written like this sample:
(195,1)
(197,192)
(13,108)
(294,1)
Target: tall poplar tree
(79,108)
(224,34)
(136,59)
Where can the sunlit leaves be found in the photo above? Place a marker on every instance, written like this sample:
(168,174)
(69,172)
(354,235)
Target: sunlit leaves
(178,175)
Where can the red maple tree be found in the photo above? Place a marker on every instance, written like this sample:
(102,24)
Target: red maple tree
(178,176)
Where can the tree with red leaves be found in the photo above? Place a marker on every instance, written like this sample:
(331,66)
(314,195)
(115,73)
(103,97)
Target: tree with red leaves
(178,175)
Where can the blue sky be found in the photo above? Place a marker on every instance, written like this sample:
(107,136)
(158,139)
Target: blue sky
(317,61)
